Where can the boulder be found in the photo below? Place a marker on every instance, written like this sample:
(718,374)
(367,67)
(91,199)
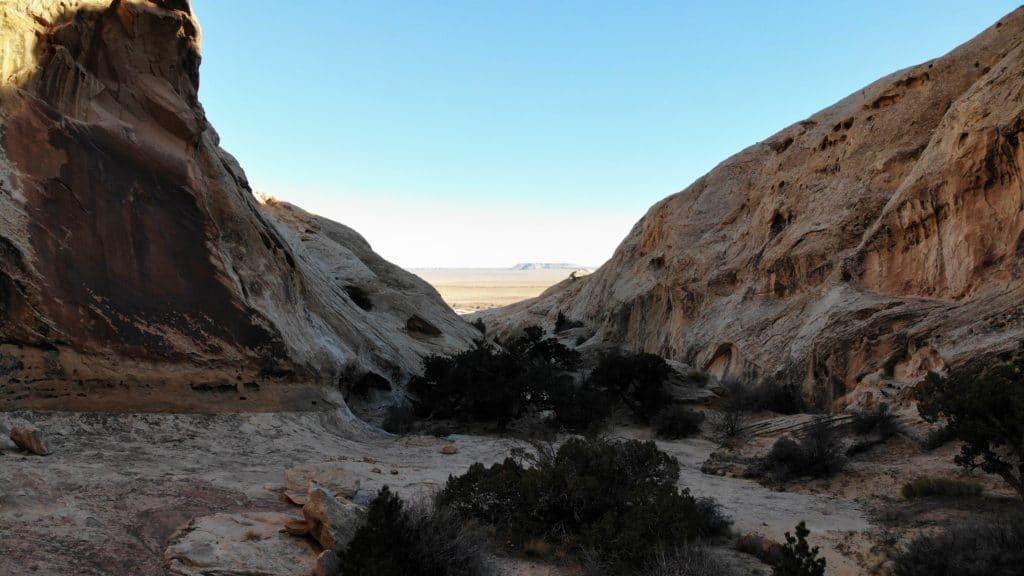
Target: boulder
(237,545)
(331,476)
(29,439)
(329,521)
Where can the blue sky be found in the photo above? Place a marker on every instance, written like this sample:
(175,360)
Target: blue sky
(485,133)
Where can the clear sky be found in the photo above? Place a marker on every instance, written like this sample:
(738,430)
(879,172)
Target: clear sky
(489,132)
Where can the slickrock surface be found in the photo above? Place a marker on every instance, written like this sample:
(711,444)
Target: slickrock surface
(875,240)
(137,270)
(126,493)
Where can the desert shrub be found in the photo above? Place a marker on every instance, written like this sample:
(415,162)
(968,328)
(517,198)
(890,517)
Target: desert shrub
(816,452)
(984,408)
(940,487)
(489,384)
(639,380)
(398,541)
(616,499)
(480,326)
(936,438)
(688,561)
(765,550)
(531,345)
(400,418)
(989,548)
(678,422)
(797,558)
(775,397)
(562,323)
(880,422)
(581,408)
(733,410)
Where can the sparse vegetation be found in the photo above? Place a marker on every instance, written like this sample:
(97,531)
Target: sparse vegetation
(816,452)
(983,408)
(879,422)
(678,421)
(689,561)
(480,326)
(940,487)
(989,548)
(580,408)
(399,540)
(639,380)
(732,417)
(562,323)
(797,558)
(774,396)
(400,418)
(616,500)
(496,385)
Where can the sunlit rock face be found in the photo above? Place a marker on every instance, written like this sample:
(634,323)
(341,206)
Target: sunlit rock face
(857,249)
(136,268)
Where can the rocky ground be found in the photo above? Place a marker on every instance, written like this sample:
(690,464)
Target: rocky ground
(205,494)
(140,494)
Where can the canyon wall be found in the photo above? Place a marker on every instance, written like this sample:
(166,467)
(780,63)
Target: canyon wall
(137,270)
(849,253)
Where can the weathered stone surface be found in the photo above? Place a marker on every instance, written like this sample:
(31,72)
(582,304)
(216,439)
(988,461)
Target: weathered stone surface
(333,476)
(237,545)
(878,239)
(331,522)
(29,439)
(137,270)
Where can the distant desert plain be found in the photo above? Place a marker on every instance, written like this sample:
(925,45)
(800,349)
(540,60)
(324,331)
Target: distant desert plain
(472,289)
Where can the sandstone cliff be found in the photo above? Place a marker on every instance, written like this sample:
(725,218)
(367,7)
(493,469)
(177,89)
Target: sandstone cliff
(852,251)
(136,268)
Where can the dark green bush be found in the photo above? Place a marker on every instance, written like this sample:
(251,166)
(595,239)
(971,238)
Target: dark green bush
(775,397)
(580,408)
(639,380)
(400,418)
(562,323)
(399,541)
(618,500)
(678,422)
(984,408)
(496,385)
(797,558)
(480,326)
(816,452)
(940,487)
(880,422)
(990,548)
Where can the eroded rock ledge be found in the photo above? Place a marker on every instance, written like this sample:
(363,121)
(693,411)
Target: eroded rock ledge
(880,238)
(137,270)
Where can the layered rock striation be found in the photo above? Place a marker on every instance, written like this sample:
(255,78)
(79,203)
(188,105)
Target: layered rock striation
(876,240)
(137,270)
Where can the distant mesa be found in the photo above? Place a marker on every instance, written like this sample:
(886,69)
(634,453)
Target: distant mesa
(525,266)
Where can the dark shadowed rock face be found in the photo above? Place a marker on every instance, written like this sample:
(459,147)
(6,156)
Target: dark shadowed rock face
(853,251)
(136,268)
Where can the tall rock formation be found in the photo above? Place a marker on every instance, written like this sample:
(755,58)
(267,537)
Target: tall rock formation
(857,249)
(136,268)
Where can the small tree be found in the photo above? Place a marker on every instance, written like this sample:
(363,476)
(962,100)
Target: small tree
(638,379)
(797,558)
(985,410)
